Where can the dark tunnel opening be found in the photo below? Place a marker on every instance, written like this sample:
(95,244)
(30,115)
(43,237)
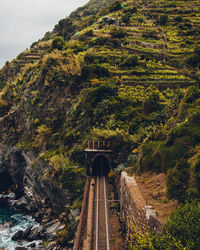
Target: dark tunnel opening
(100,166)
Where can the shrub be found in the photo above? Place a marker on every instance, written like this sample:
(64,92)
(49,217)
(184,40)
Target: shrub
(121,141)
(94,58)
(58,43)
(89,32)
(177,180)
(178,19)
(163,19)
(88,71)
(151,104)
(191,95)
(185,26)
(194,119)
(196,174)
(194,59)
(114,42)
(130,10)
(126,18)
(101,40)
(140,20)
(78,155)
(182,230)
(44,135)
(130,61)
(64,236)
(115,6)
(117,32)
(98,94)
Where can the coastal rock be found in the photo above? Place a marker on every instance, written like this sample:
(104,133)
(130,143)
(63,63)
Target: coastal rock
(35,233)
(35,195)
(17,235)
(15,165)
(3,201)
(5,178)
(27,232)
(50,229)
(20,204)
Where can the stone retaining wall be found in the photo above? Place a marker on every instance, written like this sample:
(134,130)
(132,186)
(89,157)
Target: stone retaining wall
(133,207)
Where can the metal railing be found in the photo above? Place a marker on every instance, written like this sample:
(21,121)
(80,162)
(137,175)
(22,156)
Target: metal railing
(77,244)
(99,144)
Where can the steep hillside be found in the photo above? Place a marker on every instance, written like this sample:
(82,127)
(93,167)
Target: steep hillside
(123,71)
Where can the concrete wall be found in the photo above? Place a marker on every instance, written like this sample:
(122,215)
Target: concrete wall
(133,207)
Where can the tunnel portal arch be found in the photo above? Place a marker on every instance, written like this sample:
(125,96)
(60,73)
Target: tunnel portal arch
(100,165)
(93,159)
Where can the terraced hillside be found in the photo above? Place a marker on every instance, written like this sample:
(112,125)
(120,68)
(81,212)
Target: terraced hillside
(123,71)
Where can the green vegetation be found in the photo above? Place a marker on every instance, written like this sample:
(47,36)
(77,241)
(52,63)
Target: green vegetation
(180,232)
(128,74)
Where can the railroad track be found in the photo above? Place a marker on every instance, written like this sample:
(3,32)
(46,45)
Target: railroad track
(101,229)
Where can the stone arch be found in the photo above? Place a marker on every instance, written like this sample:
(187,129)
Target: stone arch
(90,158)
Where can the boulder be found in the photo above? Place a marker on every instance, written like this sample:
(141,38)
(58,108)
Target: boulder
(20,204)
(27,232)
(35,234)
(32,245)
(51,229)
(17,235)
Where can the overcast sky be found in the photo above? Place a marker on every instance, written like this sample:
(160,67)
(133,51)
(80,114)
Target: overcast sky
(23,22)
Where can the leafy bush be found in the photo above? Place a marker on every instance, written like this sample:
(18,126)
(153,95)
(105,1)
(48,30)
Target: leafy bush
(114,42)
(196,174)
(58,43)
(117,32)
(99,41)
(163,19)
(126,18)
(43,133)
(194,59)
(98,94)
(64,236)
(115,6)
(178,19)
(151,104)
(78,155)
(130,61)
(88,71)
(130,10)
(177,180)
(94,58)
(191,95)
(121,141)
(185,26)
(182,230)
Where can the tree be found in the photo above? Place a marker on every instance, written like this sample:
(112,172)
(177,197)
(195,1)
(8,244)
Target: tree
(65,28)
(58,43)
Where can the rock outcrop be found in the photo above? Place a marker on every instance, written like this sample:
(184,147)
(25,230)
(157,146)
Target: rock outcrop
(17,173)
(41,198)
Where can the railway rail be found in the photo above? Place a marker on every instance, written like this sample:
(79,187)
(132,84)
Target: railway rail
(101,239)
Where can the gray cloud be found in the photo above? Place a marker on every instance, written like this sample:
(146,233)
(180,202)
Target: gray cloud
(23,22)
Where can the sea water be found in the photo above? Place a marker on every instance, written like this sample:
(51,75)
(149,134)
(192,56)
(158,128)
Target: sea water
(10,223)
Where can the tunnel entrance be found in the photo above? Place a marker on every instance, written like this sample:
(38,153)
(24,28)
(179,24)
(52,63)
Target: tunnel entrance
(100,166)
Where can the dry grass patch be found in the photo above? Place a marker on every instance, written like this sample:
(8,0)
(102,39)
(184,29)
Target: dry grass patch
(154,190)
